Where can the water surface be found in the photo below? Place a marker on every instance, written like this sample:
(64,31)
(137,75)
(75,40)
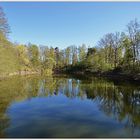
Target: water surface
(68,107)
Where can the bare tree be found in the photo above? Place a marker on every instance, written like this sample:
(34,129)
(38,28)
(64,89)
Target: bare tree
(133,29)
(4,27)
(116,45)
(107,43)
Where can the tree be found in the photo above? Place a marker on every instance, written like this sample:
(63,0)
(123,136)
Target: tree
(107,43)
(57,55)
(49,60)
(33,53)
(46,53)
(61,61)
(133,29)
(22,57)
(74,55)
(127,52)
(82,52)
(111,44)
(91,51)
(90,58)
(67,55)
(4,26)
(48,65)
(116,45)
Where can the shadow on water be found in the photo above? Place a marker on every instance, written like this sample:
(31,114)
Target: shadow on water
(68,107)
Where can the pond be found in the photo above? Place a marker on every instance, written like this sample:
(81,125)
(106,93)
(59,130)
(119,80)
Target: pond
(68,107)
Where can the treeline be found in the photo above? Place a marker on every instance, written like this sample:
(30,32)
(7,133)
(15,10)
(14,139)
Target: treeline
(18,58)
(115,52)
(118,51)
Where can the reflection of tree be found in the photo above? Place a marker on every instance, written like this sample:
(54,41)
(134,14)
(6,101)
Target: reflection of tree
(33,86)
(130,105)
(115,101)
(121,102)
(15,89)
(48,86)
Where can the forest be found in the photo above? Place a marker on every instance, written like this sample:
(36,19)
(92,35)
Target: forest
(117,52)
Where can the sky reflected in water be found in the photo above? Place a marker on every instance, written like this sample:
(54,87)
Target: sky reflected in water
(68,107)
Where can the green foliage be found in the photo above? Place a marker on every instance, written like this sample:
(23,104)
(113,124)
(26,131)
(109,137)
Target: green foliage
(33,52)
(48,63)
(67,55)
(82,52)
(114,51)
(8,60)
(22,57)
(96,61)
(47,72)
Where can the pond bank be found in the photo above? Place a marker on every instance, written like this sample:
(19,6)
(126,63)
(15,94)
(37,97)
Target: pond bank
(21,73)
(108,75)
(122,76)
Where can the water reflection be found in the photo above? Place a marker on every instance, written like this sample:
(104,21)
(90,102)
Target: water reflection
(58,106)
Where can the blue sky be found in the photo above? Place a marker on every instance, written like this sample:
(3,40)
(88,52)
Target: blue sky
(65,23)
